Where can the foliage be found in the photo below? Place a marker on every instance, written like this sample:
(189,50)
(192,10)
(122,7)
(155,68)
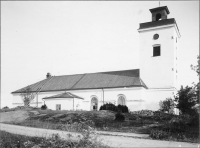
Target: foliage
(123,108)
(55,141)
(196,68)
(143,112)
(84,121)
(167,105)
(119,117)
(27,96)
(112,107)
(109,106)
(158,134)
(6,107)
(186,99)
(43,107)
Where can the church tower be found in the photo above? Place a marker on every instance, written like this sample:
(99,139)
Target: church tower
(159,50)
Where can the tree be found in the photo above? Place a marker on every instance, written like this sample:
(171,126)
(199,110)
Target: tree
(167,105)
(196,68)
(27,96)
(186,99)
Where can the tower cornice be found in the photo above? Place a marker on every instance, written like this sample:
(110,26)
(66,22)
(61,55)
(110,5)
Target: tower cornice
(159,24)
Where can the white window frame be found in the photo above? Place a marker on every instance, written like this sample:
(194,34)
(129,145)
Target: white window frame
(118,97)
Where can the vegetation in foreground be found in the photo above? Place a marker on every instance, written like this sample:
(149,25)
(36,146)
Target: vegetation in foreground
(8,140)
(157,124)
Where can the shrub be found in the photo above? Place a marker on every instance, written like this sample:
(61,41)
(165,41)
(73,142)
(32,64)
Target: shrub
(167,105)
(119,117)
(123,108)
(158,134)
(109,106)
(44,107)
(143,112)
(6,107)
(112,107)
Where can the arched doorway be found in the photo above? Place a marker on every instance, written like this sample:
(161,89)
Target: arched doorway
(94,103)
(158,17)
(121,100)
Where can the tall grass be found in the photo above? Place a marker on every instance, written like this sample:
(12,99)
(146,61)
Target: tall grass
(8,140)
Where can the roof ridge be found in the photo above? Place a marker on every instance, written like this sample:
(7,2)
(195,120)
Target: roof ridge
(96,72)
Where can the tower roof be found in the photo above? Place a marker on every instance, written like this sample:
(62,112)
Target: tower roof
(157,9)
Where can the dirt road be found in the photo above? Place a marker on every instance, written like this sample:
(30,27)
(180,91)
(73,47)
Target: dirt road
(113,141)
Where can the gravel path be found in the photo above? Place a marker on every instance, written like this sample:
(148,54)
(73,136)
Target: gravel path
(113,141)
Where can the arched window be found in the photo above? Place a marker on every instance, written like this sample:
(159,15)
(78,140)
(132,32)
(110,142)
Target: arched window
(158,17)
(94,103)
(121,100)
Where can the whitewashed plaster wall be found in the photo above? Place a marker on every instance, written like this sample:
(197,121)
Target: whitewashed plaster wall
(154,96)
(157,72)
(133,98)
(136,98)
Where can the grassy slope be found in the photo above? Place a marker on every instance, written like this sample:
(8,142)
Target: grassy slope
(104,120)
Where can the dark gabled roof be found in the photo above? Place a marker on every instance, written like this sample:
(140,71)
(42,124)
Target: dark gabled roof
(113,79)
(157,23)
(159,9)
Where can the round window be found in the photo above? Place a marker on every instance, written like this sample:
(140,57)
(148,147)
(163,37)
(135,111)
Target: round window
(155,36)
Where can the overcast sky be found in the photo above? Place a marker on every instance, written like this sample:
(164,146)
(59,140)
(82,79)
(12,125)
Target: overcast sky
(73,37)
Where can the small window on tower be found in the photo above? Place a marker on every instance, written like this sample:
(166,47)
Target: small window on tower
(156,51)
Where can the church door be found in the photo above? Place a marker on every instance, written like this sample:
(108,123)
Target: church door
(94,104)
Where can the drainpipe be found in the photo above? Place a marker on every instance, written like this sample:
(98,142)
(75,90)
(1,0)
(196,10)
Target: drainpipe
(103,96)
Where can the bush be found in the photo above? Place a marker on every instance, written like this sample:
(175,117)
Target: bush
(143,112)
(158,134)
(44,107)
(109,106)
(112,107)
(123,108)
(167,105)
(119,117)
(6,107)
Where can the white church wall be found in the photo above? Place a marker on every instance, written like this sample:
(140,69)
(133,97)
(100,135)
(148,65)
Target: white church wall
(176,48)
(154,96)
(157,72)
(132,95)
(17,100)
(65,104)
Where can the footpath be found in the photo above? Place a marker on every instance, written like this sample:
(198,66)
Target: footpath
(113,139)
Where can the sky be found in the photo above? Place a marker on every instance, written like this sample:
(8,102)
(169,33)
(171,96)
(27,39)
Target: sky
(74,37)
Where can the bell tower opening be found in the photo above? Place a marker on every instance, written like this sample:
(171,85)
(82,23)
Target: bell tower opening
(158,17)
(159,13)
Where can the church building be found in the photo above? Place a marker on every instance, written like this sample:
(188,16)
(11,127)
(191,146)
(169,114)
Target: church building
(143,88)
